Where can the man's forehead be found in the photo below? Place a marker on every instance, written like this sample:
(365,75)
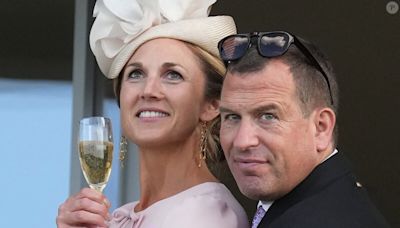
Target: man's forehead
(257,86)
(274,73)
(252,100)
(273,87)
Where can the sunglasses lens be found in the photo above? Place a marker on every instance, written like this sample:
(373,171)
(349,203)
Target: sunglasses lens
(233,47)
(273,44)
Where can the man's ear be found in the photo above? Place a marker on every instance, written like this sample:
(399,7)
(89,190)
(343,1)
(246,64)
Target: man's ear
(324,120)
(210,110)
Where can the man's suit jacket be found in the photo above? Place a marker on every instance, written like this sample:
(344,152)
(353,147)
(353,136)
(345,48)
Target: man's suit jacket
(330,197)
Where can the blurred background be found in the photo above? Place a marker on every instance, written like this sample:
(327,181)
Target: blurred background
(49,80)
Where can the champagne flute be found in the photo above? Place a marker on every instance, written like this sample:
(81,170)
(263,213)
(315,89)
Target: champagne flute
(96,150)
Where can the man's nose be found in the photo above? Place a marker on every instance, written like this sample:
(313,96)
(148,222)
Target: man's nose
(246,136)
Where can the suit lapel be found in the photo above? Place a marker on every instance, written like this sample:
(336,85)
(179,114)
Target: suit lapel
(319,178)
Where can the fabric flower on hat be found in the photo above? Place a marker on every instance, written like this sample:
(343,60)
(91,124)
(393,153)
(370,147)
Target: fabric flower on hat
(184,9)
(118,22)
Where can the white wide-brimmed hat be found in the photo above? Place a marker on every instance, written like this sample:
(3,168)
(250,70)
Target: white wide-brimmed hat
(121,26)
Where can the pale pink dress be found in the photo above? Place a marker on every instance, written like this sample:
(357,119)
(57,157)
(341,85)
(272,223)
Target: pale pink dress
(207,205)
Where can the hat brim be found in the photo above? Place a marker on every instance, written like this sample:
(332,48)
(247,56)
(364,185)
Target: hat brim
(203,32)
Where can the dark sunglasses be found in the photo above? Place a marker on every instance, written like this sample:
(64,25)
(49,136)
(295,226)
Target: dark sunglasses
(269,44)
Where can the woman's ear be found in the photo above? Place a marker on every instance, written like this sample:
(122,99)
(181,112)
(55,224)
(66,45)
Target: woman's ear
(210,110)
(324,120)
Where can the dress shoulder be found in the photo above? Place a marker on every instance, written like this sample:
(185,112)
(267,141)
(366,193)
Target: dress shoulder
(207,205)
(214,208)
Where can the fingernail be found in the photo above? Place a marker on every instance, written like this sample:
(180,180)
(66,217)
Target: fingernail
(106,202)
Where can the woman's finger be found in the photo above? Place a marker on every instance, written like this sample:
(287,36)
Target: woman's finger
(78,218)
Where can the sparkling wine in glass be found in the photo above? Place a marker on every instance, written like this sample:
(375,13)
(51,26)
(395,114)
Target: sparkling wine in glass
(96,150)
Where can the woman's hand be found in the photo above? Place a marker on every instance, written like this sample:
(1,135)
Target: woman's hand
(88,208)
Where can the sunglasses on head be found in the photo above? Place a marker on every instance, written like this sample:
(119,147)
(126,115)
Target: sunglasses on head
(269,44)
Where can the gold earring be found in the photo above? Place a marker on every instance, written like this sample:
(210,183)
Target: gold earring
(203,143)
(123,149)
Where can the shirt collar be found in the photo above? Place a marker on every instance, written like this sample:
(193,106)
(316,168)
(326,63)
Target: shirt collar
(264,204)
(333,153)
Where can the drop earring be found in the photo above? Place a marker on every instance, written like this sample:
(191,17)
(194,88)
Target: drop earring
(203,143)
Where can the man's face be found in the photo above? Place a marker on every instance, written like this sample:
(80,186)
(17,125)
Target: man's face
(269,144)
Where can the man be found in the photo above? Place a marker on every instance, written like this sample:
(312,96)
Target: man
(278,116)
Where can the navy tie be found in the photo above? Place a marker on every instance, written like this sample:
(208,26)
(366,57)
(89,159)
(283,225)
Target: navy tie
(257,217)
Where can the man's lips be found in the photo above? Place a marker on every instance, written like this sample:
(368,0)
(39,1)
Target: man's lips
(248,163)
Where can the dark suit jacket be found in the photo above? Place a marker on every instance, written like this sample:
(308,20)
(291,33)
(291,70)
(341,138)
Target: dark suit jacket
(329,197)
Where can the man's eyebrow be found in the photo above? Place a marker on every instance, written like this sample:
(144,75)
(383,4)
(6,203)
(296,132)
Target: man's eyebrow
(223,109)
(263,108)
(268,107)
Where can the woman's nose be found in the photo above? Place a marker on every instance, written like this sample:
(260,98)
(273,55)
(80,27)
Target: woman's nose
(152,89)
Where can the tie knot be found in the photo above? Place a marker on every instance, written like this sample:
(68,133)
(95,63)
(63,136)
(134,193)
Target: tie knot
(258,216)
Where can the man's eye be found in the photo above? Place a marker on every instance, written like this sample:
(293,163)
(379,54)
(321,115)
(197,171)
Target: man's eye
(231,117)
(267,116)
(136,74)
(173,76)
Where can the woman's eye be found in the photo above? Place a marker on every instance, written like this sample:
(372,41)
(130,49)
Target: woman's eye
(135,74)
(174,76)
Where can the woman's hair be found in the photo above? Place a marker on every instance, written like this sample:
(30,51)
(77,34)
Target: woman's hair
(214,70)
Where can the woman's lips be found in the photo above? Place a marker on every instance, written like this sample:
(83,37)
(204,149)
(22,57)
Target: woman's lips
(152,114)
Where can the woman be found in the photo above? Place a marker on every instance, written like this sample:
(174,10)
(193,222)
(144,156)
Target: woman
(168,81)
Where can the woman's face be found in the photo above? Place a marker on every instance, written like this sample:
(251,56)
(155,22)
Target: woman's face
(162,93)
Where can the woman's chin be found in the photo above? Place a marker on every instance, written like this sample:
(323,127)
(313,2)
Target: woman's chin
(149,140)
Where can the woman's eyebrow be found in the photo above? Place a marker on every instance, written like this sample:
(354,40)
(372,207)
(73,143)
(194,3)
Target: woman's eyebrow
(134,64)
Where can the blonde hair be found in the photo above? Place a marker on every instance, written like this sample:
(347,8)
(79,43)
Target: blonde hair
(214,71)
